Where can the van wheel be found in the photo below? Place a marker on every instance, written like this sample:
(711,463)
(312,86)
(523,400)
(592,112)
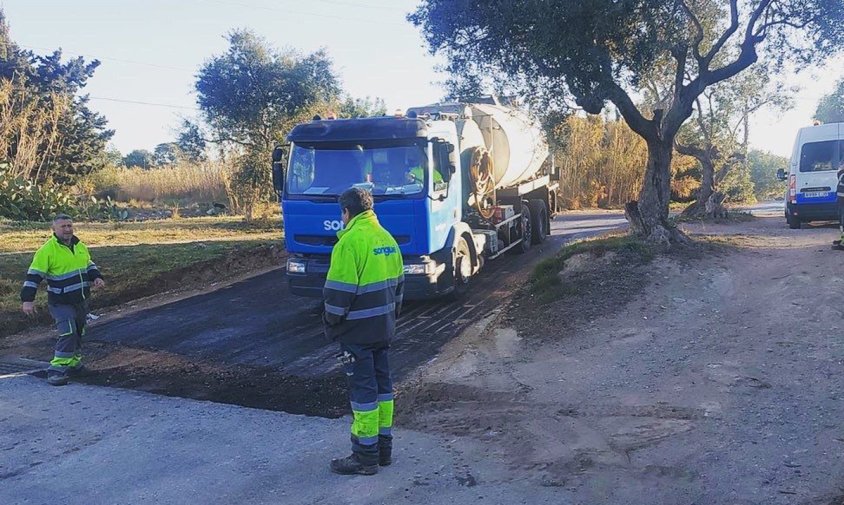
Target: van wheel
(793,221)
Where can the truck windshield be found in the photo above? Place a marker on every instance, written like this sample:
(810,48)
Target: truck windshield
(822,156)
(384,170)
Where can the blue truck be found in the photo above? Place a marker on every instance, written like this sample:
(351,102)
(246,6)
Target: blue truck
(456,184)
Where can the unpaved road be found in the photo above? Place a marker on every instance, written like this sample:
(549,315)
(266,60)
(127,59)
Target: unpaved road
(721,382)
(253,343)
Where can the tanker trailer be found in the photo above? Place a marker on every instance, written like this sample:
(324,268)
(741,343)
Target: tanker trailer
(456,184)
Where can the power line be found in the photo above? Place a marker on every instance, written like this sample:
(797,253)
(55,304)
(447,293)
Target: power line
(138,102)
(289,11)
(366,6)
(106,58)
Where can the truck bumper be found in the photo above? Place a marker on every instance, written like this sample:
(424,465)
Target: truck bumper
(431,281)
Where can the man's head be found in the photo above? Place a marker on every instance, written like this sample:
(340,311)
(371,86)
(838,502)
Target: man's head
(63,227)
(353,201)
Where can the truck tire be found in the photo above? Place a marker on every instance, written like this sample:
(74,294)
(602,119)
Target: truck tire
(793,221)
(462,269)
(539,221)
(527,233)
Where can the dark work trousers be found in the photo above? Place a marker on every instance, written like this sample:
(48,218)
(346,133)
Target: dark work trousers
(70,324)
(371,393)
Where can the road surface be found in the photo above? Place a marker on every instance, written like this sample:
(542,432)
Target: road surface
(258,322)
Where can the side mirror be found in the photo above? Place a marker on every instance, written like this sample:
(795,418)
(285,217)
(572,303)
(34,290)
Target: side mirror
(781,174)
(278,169)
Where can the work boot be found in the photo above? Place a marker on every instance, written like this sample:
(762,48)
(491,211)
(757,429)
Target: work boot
(836,244)
(78,371)
(56,378)
(351,466)
(385,451)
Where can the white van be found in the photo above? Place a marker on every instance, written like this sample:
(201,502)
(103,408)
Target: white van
(811,193)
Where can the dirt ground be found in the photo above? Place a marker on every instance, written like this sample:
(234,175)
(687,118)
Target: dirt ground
(709,376)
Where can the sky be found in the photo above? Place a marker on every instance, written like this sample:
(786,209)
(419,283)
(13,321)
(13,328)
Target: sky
(151,50)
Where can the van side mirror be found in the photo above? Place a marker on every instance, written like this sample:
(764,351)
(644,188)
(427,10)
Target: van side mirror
(278,169)
(781,174)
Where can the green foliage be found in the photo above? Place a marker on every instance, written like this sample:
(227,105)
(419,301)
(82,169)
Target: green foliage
(139,158)
(47,130)
(250,96)
(831,107)
(763,171)
(191,142)
(22,199)
(362,107)
(166,154)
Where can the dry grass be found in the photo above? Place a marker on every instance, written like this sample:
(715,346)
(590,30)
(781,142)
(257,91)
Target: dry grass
(185,183)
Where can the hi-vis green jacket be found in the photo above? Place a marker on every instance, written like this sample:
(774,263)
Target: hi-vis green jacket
(68,269)
(363,290)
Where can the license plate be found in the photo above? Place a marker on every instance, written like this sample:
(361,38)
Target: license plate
(815,194)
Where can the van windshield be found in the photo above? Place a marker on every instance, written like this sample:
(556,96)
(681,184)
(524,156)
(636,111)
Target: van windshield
(822,156)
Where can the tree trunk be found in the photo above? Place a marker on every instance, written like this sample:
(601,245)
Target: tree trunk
(649,216)
(708,201)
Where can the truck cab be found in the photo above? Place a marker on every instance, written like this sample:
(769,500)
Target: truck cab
(408,165)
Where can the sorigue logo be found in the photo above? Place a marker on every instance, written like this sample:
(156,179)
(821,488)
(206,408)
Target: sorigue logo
(386,251)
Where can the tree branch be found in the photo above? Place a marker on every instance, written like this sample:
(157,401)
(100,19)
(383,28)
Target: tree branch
(719,44)
(699,36)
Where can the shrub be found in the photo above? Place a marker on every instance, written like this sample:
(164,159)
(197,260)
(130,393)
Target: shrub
(21,199)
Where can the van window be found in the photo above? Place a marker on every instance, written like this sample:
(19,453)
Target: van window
(820,156)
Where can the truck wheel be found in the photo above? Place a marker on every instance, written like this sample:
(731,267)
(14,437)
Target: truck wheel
(539,221)
(462,269)
(527,230)
(793,221)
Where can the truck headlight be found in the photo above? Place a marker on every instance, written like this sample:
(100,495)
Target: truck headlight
(295,266)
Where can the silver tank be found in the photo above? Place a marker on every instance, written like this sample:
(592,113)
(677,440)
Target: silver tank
(515,142)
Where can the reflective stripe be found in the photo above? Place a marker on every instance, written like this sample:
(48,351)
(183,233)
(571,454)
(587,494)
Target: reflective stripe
(75,273)
(333,309)
(72,287)
(385,431)
(30,284)
(341,286)
(92,266)
(378,286)
(364,407)
(377,311)
(60,354)
(33,271)
(57,291)
(367,440)
(385,397)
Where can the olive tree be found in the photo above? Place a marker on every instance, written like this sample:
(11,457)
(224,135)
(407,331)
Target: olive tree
(601,51)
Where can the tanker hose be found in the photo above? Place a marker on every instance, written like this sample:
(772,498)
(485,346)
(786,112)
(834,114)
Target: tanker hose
(481,172)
